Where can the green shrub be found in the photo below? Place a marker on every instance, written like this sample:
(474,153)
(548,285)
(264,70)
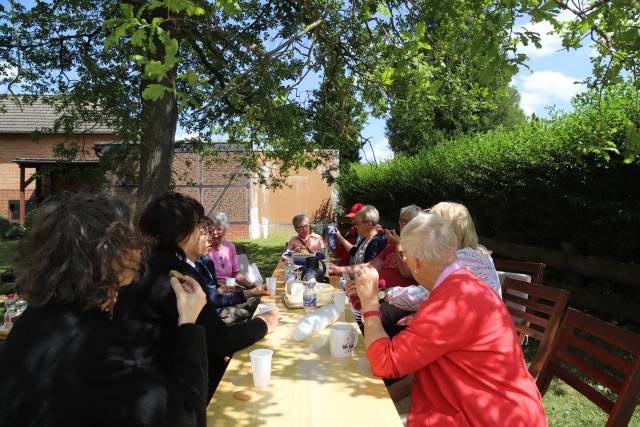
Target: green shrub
(5,224)
(14,232)
(542,183)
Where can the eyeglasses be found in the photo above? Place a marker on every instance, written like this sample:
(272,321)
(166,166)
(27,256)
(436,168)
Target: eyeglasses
(402,221)
(302,226)
(363,222)
(205,227)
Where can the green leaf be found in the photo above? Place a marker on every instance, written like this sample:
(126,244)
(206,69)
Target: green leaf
(383,10)
(154,92)
(154,69)
(127,9)
(139,59)
(138,37)
(420,29)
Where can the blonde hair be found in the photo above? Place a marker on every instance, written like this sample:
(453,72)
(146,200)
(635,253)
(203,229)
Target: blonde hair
(429,237)
(369,213)
(461,221)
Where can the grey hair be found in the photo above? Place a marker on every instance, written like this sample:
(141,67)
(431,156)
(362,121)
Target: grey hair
(220,218)
(298,219)
(430,238)
(411,211)
(369,213)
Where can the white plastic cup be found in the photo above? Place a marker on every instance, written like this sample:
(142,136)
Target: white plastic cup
(230,281)
(271,285)
(340,300)
(263,308)
(343,340)
(261,366)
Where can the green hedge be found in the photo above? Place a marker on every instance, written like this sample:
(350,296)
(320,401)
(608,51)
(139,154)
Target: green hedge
(540,184)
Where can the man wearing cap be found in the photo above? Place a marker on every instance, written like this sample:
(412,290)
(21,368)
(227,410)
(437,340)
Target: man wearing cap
(349,239)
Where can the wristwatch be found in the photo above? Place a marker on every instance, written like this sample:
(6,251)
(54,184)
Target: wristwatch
(381,294)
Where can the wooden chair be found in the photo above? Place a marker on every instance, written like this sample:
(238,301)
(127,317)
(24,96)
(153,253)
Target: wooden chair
(537,316)
(594,340)
(535,269)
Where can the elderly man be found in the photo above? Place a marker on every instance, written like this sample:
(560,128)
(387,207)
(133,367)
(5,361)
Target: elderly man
(462,344)
(305,240)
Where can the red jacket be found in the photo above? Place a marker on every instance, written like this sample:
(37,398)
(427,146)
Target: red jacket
(468,364)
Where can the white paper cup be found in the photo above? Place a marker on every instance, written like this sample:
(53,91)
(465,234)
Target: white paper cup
(271,285)
(343,339)
(263,308)
(261,366)
(340,300)
(230,281)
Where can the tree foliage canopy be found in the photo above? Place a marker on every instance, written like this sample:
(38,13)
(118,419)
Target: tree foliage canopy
(238,67)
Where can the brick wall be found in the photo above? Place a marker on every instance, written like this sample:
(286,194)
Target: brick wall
(215,182)
(23,145)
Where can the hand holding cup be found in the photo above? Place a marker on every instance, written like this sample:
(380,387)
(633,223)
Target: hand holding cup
(366,284)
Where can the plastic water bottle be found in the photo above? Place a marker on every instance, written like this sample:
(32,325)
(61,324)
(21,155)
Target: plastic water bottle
(309,299)
(331,239)
(9,313)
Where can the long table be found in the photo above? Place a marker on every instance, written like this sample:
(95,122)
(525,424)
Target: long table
(308,386)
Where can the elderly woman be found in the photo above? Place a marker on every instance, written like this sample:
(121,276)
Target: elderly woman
(223,253)
(372,241)
(147,310)
(390,263)
(305,240)
(462,345)
(471,255)
(340,253)
(65,362)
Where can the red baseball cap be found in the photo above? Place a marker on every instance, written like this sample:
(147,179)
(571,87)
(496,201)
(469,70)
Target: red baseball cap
(354,210)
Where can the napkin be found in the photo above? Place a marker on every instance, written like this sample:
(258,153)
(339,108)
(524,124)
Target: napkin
(314,322)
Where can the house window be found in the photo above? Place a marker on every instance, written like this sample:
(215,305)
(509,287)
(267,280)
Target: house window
(14,209)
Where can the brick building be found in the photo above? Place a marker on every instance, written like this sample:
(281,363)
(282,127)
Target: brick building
(218,183)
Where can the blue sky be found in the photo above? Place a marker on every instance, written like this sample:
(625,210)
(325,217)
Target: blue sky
(551,81)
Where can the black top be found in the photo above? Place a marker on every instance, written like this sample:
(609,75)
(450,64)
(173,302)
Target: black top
(62,366)
(147,311)
(375,246)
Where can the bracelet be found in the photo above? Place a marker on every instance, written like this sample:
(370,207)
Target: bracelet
(371,313)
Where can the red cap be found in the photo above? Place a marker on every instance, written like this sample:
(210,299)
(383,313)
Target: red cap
(354,210)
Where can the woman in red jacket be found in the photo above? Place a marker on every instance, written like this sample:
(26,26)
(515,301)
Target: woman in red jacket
(462,344)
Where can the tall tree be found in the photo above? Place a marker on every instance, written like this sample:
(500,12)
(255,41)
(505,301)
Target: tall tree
(337,116)
(234,66)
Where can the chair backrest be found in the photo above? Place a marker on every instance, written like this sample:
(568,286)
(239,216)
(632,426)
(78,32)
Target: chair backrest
(606,354)
(243,263)
(535,269)
(537,315)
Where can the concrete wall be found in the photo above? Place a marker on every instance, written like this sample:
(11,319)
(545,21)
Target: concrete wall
(272,210)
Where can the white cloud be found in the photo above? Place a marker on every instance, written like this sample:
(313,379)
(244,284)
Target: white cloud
(185,136)
(545,88)
(381,150)
(550,43)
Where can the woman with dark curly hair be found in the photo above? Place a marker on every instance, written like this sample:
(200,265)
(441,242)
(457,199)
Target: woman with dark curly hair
(64,362)
(176,223)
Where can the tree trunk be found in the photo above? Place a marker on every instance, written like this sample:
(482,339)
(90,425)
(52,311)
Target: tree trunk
(158,133)
(156,148)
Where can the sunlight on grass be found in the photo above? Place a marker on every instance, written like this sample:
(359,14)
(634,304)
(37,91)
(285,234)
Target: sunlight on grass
(264,252)
(566,407)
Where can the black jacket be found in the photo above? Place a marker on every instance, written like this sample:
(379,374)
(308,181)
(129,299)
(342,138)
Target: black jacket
(62,366)
(147,311)
(207,271)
